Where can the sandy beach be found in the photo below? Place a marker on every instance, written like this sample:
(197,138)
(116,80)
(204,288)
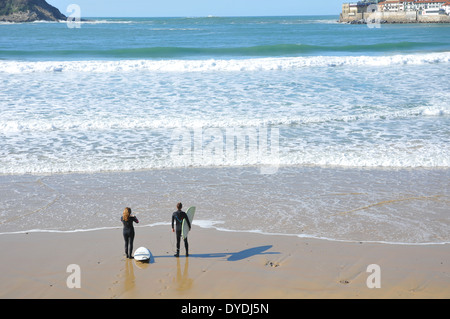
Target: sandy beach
(221,265)
(53,223)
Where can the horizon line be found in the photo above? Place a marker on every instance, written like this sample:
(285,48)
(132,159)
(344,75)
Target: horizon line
(217,16)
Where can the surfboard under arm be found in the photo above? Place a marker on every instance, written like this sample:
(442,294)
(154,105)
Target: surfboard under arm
(184,226)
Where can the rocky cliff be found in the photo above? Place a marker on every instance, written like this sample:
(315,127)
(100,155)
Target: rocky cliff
(29,11)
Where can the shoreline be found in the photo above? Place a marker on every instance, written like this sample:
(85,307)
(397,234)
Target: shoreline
(229,167)
(401,206)
(221,265)
(218,229)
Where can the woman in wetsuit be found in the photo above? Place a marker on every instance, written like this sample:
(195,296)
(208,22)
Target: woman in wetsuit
(128,230)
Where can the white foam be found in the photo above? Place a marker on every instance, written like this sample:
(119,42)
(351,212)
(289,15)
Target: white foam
(88,21)
(429,111)
(232,65)
(139,123)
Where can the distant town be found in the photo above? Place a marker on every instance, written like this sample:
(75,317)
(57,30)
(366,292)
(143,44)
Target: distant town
(396,11)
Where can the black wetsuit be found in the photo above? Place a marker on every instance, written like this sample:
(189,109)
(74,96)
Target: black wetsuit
(178,217)
(128,234)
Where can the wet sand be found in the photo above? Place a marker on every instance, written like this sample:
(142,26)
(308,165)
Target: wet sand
(221,265)
(370,205)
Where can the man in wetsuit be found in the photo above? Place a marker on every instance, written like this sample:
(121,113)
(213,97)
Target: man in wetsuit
(178,217)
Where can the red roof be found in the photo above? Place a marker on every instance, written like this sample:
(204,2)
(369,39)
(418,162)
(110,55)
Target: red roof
(431,1)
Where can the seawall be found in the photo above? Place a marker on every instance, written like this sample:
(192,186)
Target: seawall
(393,17)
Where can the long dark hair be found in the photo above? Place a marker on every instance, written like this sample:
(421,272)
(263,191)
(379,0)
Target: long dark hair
(126,213)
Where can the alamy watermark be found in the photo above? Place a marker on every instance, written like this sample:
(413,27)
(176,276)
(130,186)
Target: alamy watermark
(74,279)
(230,146)
(74,18)
(374,279)
(373,17)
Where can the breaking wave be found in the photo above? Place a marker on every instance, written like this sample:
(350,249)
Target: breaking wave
(205,65)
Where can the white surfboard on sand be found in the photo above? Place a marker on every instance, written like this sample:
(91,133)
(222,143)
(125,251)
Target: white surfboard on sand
(184,226)
(142,254)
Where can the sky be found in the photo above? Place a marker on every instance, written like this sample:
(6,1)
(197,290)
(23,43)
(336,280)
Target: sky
(199,8)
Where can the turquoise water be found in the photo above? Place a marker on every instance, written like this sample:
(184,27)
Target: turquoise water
(187,38)
(120,94)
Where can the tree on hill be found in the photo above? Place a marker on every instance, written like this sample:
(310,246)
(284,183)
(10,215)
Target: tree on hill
(28,11)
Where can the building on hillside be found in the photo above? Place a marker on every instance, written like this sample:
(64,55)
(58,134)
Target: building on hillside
(358,10)
(422,6)
(430,7)
(391,6)
(396,11)
(360,7)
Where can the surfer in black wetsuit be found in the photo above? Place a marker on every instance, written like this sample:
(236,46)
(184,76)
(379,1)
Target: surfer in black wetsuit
(178,217)
(128,230)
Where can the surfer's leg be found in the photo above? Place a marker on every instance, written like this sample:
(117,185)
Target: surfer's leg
(186,246)
(126,237)
(178,243)
(131,243)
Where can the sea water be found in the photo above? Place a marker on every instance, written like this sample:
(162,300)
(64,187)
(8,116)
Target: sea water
(115,95)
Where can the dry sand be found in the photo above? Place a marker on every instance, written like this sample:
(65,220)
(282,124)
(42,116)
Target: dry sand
(221,265)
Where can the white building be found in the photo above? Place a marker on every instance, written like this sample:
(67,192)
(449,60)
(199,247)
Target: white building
(390,6)
(425,7)
(430,7)
(409,6)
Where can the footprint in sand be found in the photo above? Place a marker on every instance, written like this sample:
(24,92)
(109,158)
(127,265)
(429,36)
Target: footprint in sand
(272,264)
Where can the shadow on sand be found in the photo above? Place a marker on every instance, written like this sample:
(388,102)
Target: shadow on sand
(240,255)
(182,279)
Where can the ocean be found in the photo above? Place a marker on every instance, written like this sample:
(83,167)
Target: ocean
(207,94)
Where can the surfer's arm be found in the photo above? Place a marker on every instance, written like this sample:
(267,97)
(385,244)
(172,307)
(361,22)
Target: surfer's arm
(187,220)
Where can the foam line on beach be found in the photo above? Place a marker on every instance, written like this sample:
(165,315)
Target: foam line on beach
(210,224)
(79,230)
